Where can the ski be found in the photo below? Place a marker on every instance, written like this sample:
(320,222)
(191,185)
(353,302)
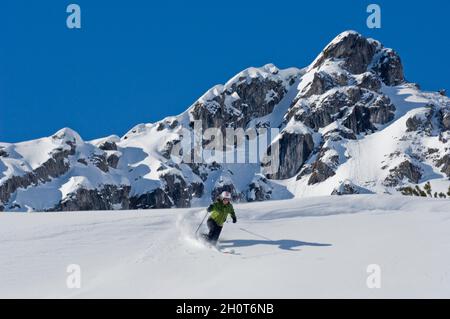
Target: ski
(227,251)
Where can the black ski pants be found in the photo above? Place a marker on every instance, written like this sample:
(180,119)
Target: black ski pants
(214,231)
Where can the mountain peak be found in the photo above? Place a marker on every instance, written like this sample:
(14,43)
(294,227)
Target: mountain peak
(331,118)
(357,54)
(68,134)
(351,47)
(345,34)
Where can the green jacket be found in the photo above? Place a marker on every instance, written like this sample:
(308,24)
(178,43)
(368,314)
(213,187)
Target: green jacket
(219,212)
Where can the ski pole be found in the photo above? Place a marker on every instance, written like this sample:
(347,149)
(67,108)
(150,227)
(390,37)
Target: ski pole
(254,234)
(198,228)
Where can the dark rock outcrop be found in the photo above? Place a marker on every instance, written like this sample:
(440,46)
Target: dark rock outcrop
(202,170)
(444,163)
(413,124)
(320,83)
(294,149)
(100,161)
(358,54)
(381,110)
(359,120)
(246,99)
(161,126)
(429,123)
(355,51)
(3,153)
(305,170)
(346,188)
(197,189)
(177,189)
(154,199)
(83,161)
(113,160)
(54,167)
(405,170)
(173,124)
(109,197)
(358,108)
(339,134)
(108,146)
(369,81)
(390,68)
(444,117)
(259,190)
(327,110)
(168,149)
(320,173)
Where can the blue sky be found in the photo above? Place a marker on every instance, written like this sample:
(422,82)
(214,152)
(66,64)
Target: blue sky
(139,61)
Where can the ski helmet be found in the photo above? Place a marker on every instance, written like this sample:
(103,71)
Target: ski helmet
(225,195)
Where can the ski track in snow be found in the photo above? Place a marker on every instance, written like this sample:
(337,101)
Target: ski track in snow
(315,247)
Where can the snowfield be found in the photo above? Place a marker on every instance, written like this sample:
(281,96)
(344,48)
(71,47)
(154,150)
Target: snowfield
(301,248)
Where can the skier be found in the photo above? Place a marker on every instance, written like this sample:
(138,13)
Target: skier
(219,212)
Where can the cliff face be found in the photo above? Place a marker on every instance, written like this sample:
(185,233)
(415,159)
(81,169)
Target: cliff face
(348,123)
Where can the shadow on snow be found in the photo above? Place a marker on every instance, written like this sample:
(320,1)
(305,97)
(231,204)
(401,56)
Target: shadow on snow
(285,244)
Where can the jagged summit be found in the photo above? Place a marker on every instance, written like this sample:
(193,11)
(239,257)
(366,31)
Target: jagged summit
(357,54)
(348,123)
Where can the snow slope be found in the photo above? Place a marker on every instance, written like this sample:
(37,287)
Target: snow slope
(314,247)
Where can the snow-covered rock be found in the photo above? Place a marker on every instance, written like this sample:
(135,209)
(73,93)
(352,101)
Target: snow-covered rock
(347,123)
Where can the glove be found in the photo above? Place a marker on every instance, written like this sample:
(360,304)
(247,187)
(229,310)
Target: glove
(234,220)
